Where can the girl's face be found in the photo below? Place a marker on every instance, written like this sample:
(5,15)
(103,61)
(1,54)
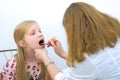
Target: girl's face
(34,38)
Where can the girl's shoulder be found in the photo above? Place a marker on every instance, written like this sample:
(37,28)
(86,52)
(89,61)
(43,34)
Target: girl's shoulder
(11,63)
(9,68)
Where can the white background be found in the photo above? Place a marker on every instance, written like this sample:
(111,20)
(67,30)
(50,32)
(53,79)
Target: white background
(49,14)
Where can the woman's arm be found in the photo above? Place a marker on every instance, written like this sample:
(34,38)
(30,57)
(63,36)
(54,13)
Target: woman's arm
(51,67)
(41,55)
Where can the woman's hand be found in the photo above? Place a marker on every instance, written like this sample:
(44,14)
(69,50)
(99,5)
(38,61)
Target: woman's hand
(57,47)
(41,54)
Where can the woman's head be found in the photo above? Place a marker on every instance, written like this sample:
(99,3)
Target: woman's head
(88,31)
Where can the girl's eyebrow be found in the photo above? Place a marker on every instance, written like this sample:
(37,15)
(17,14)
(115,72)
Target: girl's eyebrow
(32,30)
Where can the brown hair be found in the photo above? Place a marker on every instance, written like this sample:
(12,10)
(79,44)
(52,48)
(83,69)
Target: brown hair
(21,72)
(88,31)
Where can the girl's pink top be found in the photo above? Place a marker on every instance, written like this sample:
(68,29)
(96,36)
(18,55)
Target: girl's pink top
(9,70)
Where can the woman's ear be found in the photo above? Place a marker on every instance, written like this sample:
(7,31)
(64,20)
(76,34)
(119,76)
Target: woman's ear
(22,43)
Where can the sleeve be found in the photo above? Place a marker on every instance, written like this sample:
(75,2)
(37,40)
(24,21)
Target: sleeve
(8,70)
(63,75)
(82,71)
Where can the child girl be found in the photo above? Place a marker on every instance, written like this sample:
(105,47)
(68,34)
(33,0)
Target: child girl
(24,65)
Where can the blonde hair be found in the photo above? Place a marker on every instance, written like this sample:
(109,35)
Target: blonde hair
(21,72)
(88,31)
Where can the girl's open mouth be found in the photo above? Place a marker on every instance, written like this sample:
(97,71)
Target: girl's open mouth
(42,44)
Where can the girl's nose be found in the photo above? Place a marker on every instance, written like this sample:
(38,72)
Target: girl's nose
(40,34)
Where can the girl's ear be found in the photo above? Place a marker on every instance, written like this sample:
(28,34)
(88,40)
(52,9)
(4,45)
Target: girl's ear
(22,43)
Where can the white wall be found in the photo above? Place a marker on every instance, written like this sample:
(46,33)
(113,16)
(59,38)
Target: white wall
(49,14)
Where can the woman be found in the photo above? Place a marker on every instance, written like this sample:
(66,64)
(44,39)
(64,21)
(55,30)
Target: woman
(93,45)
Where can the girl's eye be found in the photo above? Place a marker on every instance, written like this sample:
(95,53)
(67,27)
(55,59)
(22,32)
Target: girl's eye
(40,31)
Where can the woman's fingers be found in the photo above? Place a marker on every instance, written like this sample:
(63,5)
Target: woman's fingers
(52,42)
